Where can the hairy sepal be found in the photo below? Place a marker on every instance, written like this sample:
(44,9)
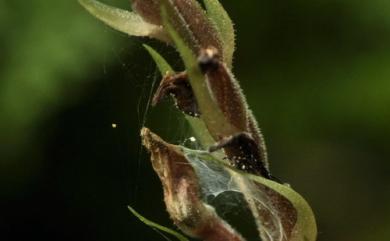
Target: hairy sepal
(225,28)
(190,20)
(148,9)
(198,28)
(214,119)
(157,226)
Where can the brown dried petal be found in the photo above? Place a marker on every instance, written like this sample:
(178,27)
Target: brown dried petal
(182,193)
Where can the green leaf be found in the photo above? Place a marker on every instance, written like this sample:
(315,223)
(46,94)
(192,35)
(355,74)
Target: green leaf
(161,63)
(157,226)
(123,20)
(224,26)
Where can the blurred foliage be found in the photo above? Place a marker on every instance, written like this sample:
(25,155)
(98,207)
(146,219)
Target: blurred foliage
(49,50)
(316,74)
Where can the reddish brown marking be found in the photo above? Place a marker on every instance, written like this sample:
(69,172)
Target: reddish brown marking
(178,86)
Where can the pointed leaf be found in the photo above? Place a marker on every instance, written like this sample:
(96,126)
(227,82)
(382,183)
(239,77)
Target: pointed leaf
(124,21)
(161,63)
(157,226)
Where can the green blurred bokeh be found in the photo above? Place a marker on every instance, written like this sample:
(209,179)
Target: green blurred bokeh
(316,74)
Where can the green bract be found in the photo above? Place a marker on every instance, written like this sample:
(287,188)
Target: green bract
(123,21)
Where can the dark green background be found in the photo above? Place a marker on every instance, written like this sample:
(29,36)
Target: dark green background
(316,74)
